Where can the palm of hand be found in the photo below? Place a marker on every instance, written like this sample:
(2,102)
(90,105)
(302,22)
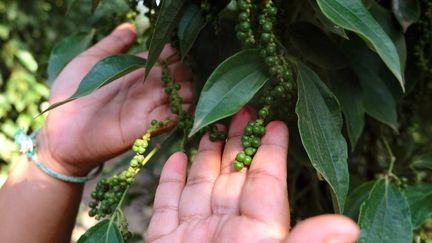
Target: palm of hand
(218,204)
(103,124)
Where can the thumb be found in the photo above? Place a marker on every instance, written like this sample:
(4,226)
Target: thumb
(325,229)
(120,39)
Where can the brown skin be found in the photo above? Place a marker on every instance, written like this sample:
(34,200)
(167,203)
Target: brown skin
(216,203)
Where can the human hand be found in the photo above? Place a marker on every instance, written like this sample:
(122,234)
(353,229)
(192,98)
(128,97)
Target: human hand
(218,204)
(81,134)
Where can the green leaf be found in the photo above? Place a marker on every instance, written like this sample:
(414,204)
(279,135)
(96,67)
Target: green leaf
(385,216)
(385,19)
(423,161)
(231,85)
(406,12)
(320,125)
(65,51)
(191,24)
(378,99)
(356,198)
(420,201)
(325,24)
(353,15)
(103,232)
(103,73)
(315,46)
(167,20)
(350,95)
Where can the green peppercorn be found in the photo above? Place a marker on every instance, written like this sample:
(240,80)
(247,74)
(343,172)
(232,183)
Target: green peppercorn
(248,130)
(238,166)
(240,157)
(267,27)
(262,131)
(93,204)
(246,144)
(266,37)
(256,130)
(249,151)
(92,212)
(243,5)
(213,137)
(272,11)
(246,138)
(270,60)
(243,16)
(242,36)
(244,26)
(255,142)
(270,49)
(247,160)
(263,113)
(269,100)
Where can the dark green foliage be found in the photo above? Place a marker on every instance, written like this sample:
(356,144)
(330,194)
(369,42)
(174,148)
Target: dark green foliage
(334,70)
(320,126)
(385,215)
(65,51)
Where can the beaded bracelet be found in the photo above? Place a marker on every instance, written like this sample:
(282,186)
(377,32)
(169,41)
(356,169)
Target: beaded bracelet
(28,147)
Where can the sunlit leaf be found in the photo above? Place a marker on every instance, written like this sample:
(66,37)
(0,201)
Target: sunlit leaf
(103,73)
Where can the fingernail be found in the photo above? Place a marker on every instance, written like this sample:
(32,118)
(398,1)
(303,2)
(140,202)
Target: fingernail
(127,30)
(246,110)
(340,238)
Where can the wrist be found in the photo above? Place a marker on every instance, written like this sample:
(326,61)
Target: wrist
(57,163)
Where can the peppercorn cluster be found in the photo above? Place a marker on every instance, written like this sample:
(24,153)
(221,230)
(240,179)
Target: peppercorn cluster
(175,101)
(244,27)
(251,140)
(109,191)
(282,85)
(215,134)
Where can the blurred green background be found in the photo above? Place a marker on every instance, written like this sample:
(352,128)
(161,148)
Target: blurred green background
(28,32)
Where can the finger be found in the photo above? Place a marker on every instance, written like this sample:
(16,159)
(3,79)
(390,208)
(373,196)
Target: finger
(195,202)
(226,194)
(324,229)
(120,40)
(165,215)
(168,52)
(265,195)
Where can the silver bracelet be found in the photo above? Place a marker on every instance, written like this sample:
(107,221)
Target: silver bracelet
(28,147)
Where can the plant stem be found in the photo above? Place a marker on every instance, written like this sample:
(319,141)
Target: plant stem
(392,157)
